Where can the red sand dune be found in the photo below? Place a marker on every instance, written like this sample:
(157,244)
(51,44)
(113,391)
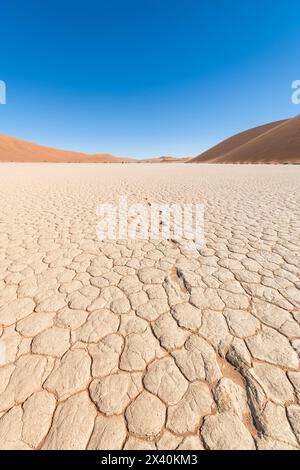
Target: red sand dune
(277,142)
(16,150)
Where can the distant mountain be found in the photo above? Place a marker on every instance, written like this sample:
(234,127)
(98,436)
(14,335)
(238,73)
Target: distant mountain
(165,160)
(277,142)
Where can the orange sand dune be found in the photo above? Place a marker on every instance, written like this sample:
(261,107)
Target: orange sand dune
(16,150)
(277,142)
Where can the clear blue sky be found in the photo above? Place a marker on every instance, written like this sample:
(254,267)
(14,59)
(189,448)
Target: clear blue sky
(145,77)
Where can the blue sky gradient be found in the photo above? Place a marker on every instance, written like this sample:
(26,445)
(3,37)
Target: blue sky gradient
(146,78)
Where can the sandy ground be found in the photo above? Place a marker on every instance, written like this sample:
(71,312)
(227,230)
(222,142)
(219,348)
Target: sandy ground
(143,344)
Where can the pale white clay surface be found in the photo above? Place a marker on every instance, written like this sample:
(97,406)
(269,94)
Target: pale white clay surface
(143,344)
